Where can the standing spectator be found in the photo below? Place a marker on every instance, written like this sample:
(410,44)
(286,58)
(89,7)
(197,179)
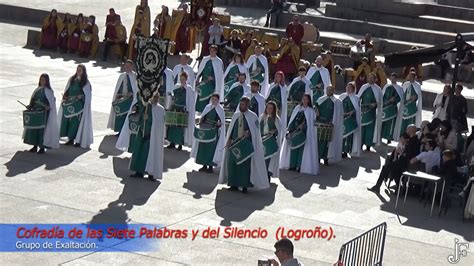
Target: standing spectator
(138,29)
(110,23)
(143,6)
(182,33)
(284,252)
(295,30)
(277,8)
(163,23)
(216,32)
(441,103)
(117,35)
(459,109)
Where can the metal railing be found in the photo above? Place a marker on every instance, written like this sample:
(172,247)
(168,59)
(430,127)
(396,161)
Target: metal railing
(366,249)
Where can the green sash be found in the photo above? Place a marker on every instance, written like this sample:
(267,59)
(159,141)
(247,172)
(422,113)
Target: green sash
(410,109)
(390,110)
(257,75)
(230,78)
(350,122)
(207,88)
(368,113)
(275,95)
(326,111)
(233,96)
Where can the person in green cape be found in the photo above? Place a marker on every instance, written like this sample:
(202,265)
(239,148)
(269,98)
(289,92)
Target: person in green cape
(236,91)
(392,95)
(233,72)
(299,86)
(351,122)
(271,127)
(412,104)
(320,79)
(370,96)
(47,136)
(209,79)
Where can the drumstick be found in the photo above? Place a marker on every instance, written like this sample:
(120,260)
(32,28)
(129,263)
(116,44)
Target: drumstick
(22,104)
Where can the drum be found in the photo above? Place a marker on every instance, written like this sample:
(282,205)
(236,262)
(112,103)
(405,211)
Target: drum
(340,48)
(72,107)
(296,139)
(122,106)
(324,131)
(87,37)
(272,39)
(241,150)
(134,123)
(34,119)
(270,146)
(228,113)
(179,119)
(349,126)
(205,133)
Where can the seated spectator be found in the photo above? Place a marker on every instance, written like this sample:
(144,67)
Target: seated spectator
(284,252)
(116,36)
(368,46)
(216,32)
(246,42)
(234,44)
(441,103)
(448,169)
(110,22)
(49,30)
(89,39)
(430,157)
(447,137)
(74,31)
(63,34)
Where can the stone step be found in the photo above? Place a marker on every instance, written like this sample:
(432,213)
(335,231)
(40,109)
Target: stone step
(409,9)
(425,21)
(458,3)
(407,34)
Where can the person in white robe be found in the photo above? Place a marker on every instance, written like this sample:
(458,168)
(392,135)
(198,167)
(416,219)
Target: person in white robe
(77,127)
(257,66)
(209,79)
(167,85)
(209,154)
(329,111)
(42,99)
(183,66)
(299,87)
(233,70)
(412,105)
(302,158)
(393,104)
(257,101)
(236,91)
(272,132)
(125,88)
(277,93)
(370,95)
(320,79)
(250,173)
(351,137)
(441,103)
(147,156)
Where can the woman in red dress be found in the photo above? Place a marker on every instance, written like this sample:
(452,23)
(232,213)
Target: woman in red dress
(75,30)
(49,30)
(63,35)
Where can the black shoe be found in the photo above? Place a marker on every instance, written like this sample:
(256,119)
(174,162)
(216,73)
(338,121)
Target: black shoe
(34,149)
(374,189)
(70,142)
(244,190)
(171,146)
(209,170)
(41,151)
(233,188)
(292,169)
(389,141)
(367,148)
(77,145)
(203,169)
(151,178)
(266,25)
(297,170)
(137,175)
(344,155)
(180,147)
(326,162)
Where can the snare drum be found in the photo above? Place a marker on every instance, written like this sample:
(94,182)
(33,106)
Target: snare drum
(122,106)
(134,123)
(34,119)
(324,131)
(173,118)
(205,133)
(296,139)
(241,150)
(270,146)
(72,108)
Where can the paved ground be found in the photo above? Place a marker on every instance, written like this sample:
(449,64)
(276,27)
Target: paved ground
(73,185)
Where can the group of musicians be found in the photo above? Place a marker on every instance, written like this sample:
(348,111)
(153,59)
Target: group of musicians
(231,119)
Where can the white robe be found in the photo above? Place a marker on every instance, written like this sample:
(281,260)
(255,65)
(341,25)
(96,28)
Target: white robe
(356,137)
(220,142)
(84,134)
(440,111)
(323,72)
(190,102)
(284,102)
(400,105)
(245,86)
(377,91)
(154,162)
(419,101)
(258,172)
(188,70)
(260,101)
(242,69)
(263,60)
(169,83)
(274,165)
(335,145)
(51,130)
(309,164)
(122,79)
(307,83)
(218,66)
